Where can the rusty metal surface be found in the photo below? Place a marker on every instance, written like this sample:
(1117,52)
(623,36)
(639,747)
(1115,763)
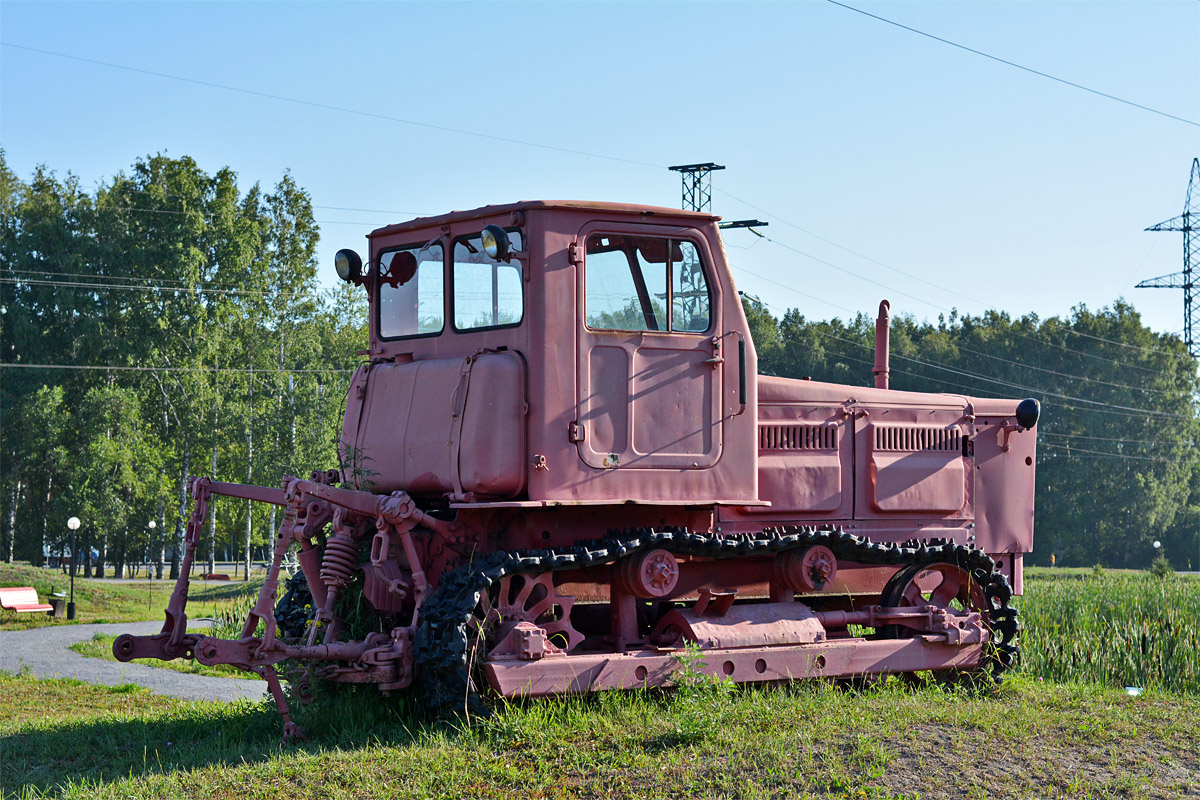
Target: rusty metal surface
(593,673)
(747,625)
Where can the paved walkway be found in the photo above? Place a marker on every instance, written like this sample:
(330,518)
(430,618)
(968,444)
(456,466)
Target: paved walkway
(46,653)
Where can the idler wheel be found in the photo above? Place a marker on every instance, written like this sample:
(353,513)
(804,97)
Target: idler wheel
(650,575)
(808,570)
(525,598)
(939,585)
(943,585)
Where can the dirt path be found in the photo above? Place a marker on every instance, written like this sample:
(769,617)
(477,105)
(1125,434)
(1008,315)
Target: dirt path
(46,653)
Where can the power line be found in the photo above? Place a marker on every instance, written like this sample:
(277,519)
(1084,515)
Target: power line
(562,149)
(934,365)
(1120,456)
(328,107)
(845,271)
(10,365)
(1148,412)
(1152,350)
(1061,374)
(551,147)
(820,238)
(177,289)
(205,215)
(1108,408)
(120,188)
(147,279)
(1155,442)
(1015,64)
(792,289)
(927,302)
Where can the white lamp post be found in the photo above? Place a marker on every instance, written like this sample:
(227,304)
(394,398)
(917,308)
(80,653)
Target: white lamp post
(149,566)
(73,524)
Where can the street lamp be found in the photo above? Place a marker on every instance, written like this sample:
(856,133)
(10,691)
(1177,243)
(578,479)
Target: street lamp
(73,524)
(149,566)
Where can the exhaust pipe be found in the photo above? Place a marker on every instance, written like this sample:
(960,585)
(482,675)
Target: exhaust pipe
(882,343)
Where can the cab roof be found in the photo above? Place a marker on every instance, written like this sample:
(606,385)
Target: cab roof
(629,209)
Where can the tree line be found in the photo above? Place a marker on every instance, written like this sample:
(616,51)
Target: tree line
(168,323)
(162,324)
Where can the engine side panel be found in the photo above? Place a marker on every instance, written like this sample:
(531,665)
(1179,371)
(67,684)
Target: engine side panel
(893,466)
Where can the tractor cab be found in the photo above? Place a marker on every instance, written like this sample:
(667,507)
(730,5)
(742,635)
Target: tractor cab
(551,353)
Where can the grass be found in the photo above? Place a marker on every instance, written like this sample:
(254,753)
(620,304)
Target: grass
(100,646)
(1028,739)
(1119,629)
(101,601)
(1054,730)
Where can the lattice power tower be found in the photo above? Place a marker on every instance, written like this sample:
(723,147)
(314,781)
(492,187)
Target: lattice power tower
(1189,223)
(697,196)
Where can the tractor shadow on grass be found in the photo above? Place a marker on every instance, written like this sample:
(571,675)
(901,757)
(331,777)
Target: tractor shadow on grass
(49,760)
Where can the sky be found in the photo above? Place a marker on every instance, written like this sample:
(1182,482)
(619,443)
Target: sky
(887,163)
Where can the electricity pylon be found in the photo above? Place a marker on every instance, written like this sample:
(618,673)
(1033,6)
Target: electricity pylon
(1189,223)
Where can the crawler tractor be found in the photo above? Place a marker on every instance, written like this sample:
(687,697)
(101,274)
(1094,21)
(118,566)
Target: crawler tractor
(559,464)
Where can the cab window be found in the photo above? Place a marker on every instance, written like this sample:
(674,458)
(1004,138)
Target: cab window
(412,295)
(487,293)
(644,283)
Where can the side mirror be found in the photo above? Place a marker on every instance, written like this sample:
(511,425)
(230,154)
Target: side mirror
(348,266)
(496,244)
(402,269)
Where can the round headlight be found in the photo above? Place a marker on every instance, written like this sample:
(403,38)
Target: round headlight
(1028,411)
(348,265)
(495,242)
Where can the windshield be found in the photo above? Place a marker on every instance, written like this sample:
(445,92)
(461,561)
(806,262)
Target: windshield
(487,293)
(412,304)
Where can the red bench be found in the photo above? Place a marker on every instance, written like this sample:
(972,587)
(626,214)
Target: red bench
(21,599)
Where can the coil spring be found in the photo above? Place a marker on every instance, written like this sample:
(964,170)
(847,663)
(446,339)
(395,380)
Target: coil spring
(341,559)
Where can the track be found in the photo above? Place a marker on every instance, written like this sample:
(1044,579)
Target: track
(442,640)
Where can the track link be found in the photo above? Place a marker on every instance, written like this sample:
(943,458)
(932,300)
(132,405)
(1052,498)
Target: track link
(442,642)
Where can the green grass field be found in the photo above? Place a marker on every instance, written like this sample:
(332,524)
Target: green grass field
(103,601)
(1119,629)
(1028,739)
(1062,726)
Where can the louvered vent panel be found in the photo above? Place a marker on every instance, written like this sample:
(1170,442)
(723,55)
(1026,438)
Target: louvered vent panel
(912,439)
(797,437)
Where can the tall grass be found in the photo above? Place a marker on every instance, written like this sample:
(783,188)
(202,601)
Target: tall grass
(1119,629)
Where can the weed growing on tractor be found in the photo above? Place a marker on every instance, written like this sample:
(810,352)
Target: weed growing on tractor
(698,694)
(352,464)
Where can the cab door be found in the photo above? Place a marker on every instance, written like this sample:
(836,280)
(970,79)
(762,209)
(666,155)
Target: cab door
(650,362)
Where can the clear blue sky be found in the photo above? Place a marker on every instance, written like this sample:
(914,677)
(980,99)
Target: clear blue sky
(1000,188)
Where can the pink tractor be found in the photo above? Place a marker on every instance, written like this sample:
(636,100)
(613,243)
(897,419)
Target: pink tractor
(559,465)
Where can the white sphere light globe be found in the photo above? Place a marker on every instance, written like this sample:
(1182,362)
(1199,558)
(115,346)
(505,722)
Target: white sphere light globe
(73,523)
